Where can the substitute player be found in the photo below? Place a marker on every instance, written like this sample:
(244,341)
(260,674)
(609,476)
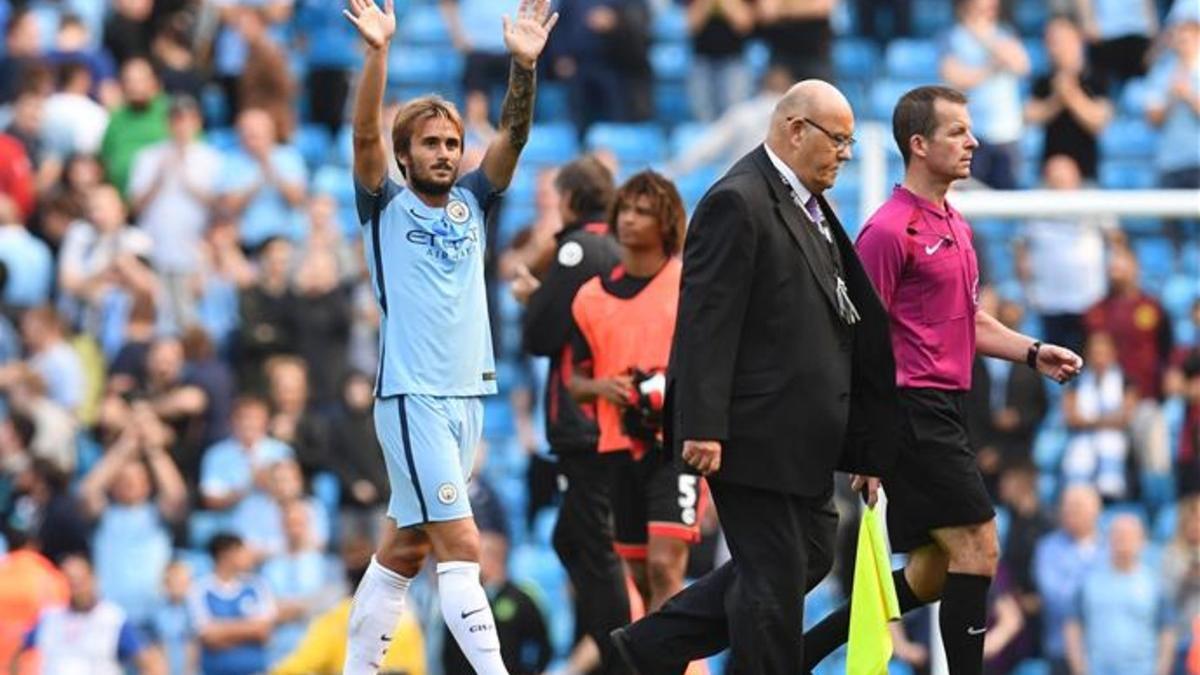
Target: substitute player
(623,327)
(424,247)
(917,250)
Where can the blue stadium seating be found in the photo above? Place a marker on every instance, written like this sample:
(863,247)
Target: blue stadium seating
(553,102)
(314,143)
(423,25)
(549,145)
(671,105)
(931,17)
(855,58)
(1122,174)
(1128,137)
(884,95)
(431,68)
(223,139)
(912,59)
(671,60)
(670,24)
(683,135)
(1033,667)
(634,145)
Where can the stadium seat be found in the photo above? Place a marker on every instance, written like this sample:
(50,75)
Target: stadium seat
(670,24)
(1128,137)
(931,18)
(1123,174)
(693,185)
(1030,17)
(423,25)
(1180,291)
(635,145)
(854,58)
(1156,256)
(550,144)
(758,56)
(223,139)
(1164,523)
(1039,59)
(671,103)
(1032,667)
(912,59)
(671,61)
(430,68)
(314,143)
(884,95)
(513,219)
(683,135)
(1048,448)
(553,103)
(1134,97)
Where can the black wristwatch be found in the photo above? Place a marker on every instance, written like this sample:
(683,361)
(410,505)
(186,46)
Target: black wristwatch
(1032,354)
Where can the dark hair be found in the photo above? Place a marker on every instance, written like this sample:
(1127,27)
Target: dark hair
(1191,365)
(70,20)
(222,543)
(667,205)
(588,185)
(70,70)
(249,401)
(915,115)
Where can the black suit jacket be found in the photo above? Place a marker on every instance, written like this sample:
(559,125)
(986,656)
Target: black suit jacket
(760,360)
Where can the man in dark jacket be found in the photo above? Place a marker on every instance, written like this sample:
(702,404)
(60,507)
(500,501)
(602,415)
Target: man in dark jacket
(781,370)
(583,535)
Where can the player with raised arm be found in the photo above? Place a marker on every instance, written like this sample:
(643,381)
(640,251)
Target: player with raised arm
(424,246)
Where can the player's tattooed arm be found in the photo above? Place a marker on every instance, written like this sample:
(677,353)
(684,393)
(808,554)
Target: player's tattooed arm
(516,115)
(525,36)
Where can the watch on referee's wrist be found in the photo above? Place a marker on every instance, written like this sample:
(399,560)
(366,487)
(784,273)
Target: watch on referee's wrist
(1031,356)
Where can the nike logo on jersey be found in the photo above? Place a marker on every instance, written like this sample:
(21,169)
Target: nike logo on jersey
(474,611)
(385,638)
(976,631)
(930,250)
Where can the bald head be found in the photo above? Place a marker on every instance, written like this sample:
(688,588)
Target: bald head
(811,131)
(812,99)
(1080,510)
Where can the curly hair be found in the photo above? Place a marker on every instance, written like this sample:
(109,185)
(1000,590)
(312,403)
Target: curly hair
(667,206)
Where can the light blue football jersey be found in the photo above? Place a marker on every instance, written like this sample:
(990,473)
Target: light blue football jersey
(427,270)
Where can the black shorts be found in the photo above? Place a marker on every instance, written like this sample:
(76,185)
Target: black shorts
(936,481)
(652,496)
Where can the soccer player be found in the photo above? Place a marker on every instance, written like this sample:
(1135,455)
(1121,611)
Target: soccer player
(622,340)
(424,246)
(918,252)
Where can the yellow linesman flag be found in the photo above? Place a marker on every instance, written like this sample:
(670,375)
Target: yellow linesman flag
(873,601)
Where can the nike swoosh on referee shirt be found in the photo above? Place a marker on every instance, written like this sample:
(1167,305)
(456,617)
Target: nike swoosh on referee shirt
(930,250)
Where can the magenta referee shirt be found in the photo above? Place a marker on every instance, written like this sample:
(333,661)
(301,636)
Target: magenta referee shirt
(923,265)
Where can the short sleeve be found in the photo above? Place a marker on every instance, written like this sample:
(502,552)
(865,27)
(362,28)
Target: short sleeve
(130,642)
(367,201)
(883,257)
(477,183)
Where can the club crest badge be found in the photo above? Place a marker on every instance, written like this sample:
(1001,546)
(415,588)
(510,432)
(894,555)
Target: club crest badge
(447,493)
(458,212)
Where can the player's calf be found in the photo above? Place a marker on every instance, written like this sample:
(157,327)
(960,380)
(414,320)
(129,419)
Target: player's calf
(666,565)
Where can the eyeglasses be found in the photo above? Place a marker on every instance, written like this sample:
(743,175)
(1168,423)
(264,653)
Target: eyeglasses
(840,142)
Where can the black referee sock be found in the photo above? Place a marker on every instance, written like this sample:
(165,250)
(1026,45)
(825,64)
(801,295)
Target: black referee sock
(963,620)
(834,630)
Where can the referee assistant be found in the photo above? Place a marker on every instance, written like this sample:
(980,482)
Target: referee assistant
(917,250)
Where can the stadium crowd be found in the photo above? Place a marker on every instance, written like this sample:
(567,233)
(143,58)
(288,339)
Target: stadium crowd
(189,475)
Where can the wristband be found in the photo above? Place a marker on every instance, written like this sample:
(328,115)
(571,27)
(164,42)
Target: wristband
(1032,355)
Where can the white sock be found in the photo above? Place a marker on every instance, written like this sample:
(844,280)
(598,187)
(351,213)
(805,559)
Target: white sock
(469,616)
(373,616)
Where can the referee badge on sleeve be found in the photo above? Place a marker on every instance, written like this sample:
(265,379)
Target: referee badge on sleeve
(458,212)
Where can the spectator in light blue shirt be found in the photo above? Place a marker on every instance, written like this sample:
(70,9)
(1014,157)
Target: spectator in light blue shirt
(1122,623)
(232,468)
(1173,101)
(263,182)
(259,519)
(986,61)
(303,580)
(330,46)
(28,259)
(131,544)
(170,626)
(1061,561)
(52,357)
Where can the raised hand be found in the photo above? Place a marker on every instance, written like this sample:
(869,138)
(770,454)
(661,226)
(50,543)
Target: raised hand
(526,36)
(376,27)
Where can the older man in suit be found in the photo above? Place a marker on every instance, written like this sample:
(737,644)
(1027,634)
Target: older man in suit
(781,371)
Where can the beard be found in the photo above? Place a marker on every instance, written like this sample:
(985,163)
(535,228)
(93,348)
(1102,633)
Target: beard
(428,185)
